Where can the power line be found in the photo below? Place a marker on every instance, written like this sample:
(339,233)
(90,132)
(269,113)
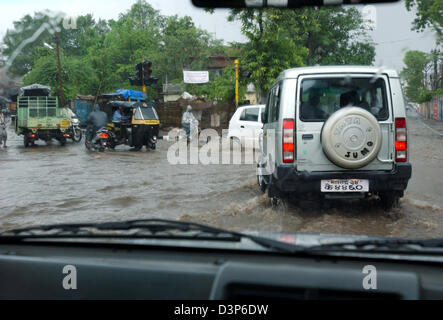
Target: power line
(407,39)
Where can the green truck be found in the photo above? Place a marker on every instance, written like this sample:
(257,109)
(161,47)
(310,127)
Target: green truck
(39,116)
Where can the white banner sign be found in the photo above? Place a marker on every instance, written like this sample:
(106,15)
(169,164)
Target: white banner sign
(196,76)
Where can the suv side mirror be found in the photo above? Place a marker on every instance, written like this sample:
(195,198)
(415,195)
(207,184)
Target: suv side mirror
(264,116)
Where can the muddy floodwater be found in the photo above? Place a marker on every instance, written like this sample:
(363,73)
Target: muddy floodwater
(49,184)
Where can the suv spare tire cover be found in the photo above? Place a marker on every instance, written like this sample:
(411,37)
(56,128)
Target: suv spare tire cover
(351,137)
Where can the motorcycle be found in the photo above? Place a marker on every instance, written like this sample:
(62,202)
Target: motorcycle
(99,142)
(74,131)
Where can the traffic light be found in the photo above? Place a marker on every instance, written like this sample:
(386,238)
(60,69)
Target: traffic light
(147,69)
(147,79)
(143,75)
(139,70)
(137,80)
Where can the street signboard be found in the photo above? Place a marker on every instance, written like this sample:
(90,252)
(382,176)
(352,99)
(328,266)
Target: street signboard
(195,76)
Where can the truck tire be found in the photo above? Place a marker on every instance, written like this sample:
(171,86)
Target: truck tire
(26,141)
(351,138)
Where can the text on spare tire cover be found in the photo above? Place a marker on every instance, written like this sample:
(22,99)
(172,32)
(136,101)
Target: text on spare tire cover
(353,137)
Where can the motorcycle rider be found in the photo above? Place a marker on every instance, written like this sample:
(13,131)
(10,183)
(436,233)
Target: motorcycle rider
(95,121)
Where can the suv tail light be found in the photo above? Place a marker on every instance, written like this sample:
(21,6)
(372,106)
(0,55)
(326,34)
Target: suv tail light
(401,140)
(288,145)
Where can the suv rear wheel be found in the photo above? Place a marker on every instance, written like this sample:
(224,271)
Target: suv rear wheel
(388,201)
(262,184)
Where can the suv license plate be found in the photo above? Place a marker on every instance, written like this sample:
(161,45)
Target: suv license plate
(344,185)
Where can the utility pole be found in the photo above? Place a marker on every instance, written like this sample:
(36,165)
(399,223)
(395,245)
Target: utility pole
(236,83)
(144,86)
(59,71)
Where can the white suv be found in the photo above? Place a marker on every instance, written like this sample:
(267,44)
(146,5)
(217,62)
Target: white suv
(335,132)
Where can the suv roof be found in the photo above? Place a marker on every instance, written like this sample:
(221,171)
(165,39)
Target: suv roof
(295,72)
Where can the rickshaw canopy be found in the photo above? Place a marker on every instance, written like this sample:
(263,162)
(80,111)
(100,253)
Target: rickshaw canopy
(146,108)
(125,94)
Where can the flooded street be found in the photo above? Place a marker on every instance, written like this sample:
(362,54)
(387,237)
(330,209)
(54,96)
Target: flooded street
(49,184)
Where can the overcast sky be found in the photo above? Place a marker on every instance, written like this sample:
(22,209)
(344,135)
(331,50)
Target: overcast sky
(392,31)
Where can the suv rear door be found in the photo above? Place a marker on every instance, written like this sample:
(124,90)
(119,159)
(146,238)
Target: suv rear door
(271,149)
(310,155)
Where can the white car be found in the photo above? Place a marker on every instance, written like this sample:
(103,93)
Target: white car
(246,124)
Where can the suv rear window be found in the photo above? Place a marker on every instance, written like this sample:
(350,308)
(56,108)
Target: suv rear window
(321,97)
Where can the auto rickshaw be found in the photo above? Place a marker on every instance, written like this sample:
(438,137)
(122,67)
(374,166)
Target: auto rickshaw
(140,129)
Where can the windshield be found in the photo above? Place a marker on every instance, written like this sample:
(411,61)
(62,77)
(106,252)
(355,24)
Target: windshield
(149,113)
(380,175)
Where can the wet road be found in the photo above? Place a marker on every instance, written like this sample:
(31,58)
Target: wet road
(53,184)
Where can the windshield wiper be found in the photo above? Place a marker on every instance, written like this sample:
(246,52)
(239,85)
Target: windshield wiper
(143,229)
(182,230)
(385,245)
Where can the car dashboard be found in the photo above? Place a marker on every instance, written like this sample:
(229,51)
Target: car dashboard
(39,271)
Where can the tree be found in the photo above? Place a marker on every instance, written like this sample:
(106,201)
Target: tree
(416,64)
(436,75)
(32,32)
(281,39)
(184,46)
(105,52)
(24,29)
(269,49)
(429,14)
(77,74)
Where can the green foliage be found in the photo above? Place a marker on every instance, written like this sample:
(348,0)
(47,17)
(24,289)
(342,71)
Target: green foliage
(77,75)
(99,56)
(24,29)
(111,49)
(73,41)
(416,62)
(425,96)
(429,14)
(281,39)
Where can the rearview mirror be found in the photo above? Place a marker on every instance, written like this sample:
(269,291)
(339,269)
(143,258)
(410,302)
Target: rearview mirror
(278,3)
